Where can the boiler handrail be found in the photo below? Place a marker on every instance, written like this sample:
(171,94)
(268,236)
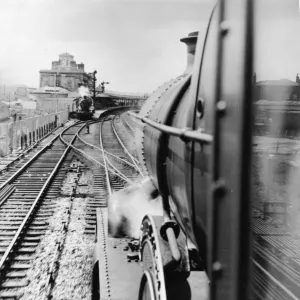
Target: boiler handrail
(186,134)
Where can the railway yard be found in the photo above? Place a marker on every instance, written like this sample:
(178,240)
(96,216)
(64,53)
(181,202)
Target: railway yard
(54,205)
(49,198)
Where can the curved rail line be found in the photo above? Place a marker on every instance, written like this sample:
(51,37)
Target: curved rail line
(101,166)
(122,143)
(33,186)
(112,170)
(105,287)
(20,230)
(117,154)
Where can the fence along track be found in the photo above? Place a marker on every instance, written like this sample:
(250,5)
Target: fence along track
(22,222)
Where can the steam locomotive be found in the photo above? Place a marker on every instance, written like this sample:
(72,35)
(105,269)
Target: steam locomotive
(83,109)
(194,136)
(188,145)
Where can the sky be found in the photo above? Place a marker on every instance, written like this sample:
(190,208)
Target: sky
(134,44)
(277,43)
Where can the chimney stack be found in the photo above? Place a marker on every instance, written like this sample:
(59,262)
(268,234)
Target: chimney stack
(191,42)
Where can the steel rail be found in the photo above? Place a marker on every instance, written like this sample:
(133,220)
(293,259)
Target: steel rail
(274,280)
(105,165)
(121,159)
(116,172)
(186,134)
(28,149)
(132,157)
(125,149)
(93,146)
(105,159)
(32,159)
(24,223)
(121,175)
(128,124)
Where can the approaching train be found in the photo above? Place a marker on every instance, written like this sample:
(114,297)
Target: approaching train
(84,108)
(222,187)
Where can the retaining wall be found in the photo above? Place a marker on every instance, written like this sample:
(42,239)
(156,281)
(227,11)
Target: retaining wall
(23,133)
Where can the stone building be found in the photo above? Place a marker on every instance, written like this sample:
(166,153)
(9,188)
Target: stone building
(4,111)
(65,73)
(48,91)
(277,90)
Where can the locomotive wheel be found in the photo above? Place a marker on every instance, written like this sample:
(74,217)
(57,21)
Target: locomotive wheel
(152,285)
(163,278)
(147,287)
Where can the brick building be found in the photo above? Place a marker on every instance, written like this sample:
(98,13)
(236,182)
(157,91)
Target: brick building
(65,73)
(277,90)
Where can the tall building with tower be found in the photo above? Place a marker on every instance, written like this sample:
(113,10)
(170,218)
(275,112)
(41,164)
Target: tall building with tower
(65,73)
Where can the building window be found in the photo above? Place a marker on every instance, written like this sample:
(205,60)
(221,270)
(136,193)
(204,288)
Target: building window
(69,84)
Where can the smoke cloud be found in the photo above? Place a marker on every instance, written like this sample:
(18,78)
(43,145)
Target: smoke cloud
(128,207)
(84,91)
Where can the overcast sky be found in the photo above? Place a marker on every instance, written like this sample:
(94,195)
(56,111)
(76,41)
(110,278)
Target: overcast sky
(132,44)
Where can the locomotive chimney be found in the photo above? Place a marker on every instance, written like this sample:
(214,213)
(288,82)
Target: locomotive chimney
(191,42)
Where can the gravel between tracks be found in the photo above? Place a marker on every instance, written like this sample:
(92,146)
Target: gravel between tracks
(74,273)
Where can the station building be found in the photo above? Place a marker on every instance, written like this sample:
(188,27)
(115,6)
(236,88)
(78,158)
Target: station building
(277,90)
(65,73)
(277,102)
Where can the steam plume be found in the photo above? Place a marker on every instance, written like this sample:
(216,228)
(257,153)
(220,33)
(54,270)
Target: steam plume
(84,91)
(128,207)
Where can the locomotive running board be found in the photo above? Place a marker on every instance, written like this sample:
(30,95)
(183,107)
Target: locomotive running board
(118,278)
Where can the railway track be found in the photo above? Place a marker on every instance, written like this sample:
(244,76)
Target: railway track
(275,263)
(26,204)
(112,264)
(14,161)
(119,155)
(29,186)
(28,191)
(104,148)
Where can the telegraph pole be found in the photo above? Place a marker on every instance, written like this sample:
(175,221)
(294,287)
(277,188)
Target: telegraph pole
(94,84)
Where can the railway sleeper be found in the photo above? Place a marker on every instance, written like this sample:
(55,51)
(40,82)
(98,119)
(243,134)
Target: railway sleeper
(20,266)
(14,283)
(25,250)
(16,274)
(10,295)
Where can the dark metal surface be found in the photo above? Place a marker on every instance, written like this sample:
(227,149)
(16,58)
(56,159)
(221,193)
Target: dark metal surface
(229,209)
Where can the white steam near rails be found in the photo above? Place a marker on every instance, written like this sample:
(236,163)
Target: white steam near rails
(84,91)
(128,207)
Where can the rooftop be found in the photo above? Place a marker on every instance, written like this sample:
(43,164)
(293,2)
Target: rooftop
(66,54)
(63,71)
(127,95)
(50,89)
(278,102)
(279,82)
